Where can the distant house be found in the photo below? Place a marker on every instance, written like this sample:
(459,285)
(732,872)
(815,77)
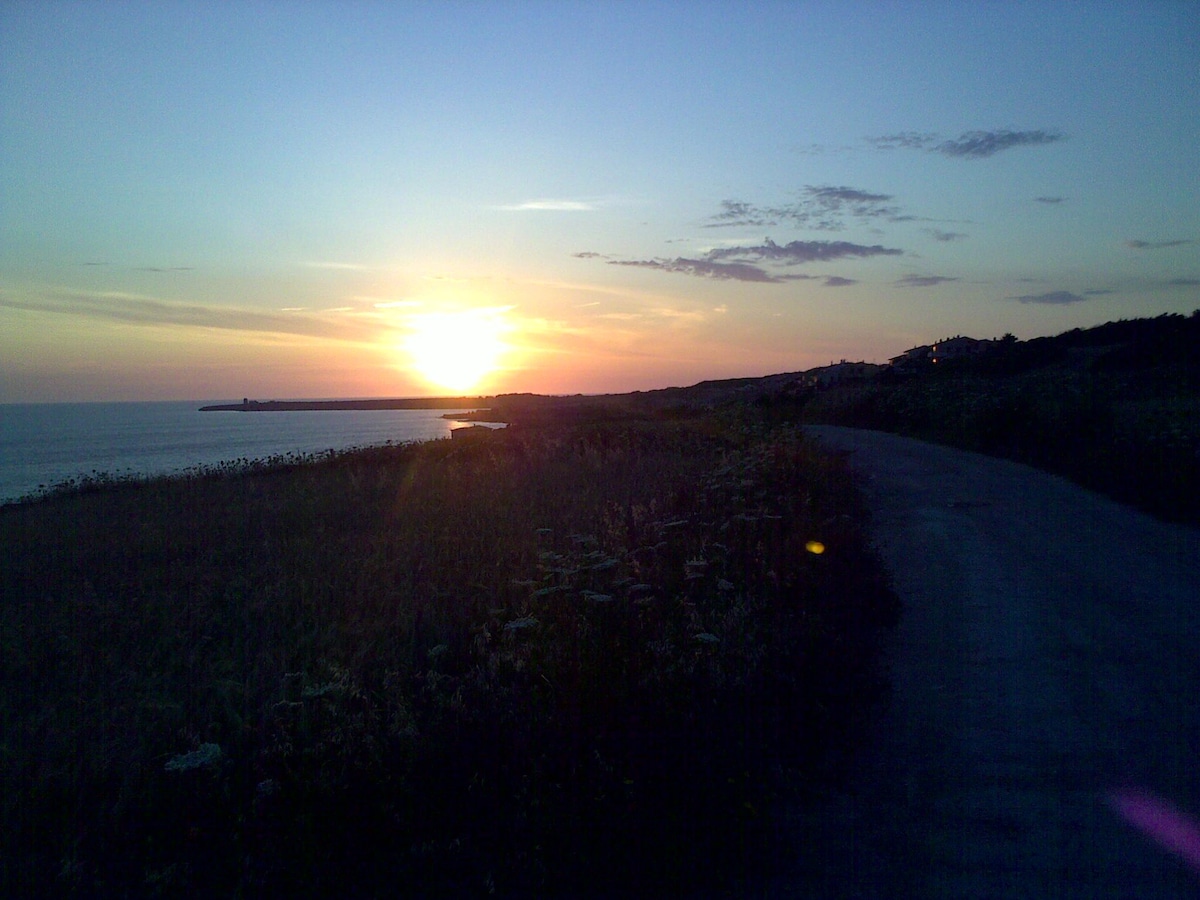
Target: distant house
(837,373)
(911,360)
(957,348)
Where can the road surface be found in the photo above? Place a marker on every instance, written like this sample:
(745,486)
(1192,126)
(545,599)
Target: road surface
(1049,654)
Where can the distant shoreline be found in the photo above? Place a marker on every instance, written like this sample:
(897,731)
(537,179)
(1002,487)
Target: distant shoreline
(472,403)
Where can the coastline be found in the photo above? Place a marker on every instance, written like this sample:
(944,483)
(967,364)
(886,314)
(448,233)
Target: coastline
(378,403)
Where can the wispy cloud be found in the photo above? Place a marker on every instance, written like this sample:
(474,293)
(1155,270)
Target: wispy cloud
(551,205)
(744,263)
(1054,298)
(1098,292)
(838,281)
(139,309)
(945,237)
(1184,282)
(822,207)
(1156,245)
(982,144)
(904,140)
(589,254)
(164,268)
(799,252)
(703,268)
(969,144)
(1052,201)
(924,280)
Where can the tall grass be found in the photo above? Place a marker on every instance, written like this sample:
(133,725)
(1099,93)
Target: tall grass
(572,661)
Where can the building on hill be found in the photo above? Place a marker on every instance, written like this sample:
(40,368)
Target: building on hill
(837,373)
(957,347)
(911,360)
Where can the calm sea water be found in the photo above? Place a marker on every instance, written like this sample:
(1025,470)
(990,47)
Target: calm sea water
(45,444)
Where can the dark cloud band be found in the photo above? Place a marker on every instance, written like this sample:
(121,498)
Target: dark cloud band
(969,144)
(1054,298)
(1156,245)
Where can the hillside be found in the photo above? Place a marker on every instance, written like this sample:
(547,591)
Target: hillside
(1115,408)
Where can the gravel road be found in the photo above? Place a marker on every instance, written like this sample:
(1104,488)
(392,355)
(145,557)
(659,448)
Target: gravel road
(1049,654)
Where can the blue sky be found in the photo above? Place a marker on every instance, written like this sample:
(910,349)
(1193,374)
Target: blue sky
(323,199)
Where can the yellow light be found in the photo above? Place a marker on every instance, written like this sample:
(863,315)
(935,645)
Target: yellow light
(457,350)
(815,547)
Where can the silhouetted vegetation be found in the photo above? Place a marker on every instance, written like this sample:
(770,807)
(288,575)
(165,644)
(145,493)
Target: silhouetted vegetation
(585,660)
(1115,408)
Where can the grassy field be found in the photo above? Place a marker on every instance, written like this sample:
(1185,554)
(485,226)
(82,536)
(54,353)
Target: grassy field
(585,660)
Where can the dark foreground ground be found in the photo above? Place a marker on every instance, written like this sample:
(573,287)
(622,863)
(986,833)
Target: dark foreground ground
(578,660)
(1047,656)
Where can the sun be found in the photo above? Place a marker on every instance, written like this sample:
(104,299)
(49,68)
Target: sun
(456,351)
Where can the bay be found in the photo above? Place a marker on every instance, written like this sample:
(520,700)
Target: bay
(44,444)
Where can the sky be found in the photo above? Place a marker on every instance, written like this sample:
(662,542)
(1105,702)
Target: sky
(358,199)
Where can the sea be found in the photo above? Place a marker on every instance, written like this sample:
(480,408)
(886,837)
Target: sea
(46,444)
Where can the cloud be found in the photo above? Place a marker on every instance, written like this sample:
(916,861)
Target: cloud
(924,280)
(1184,282)
(799,252)
(969,144)
(589,254)
(703,268)
(549,205)
(1054,298)
(904,140)
(823,207)
(1098,292)
(738,212)
(945,236)
(1051,200)
(1156,245)
(838,281)
(743,263)
(982,144)
(139,309)
(164,269)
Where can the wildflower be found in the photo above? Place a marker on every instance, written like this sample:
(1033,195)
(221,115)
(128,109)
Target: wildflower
(265,789)
(206,755)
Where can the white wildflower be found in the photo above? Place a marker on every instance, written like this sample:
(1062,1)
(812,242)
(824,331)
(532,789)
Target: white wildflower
(205,755)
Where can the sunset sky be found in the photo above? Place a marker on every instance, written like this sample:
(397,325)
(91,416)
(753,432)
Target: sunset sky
(301,200)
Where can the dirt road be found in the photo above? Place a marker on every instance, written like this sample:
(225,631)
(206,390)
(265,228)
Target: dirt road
(1049,654)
